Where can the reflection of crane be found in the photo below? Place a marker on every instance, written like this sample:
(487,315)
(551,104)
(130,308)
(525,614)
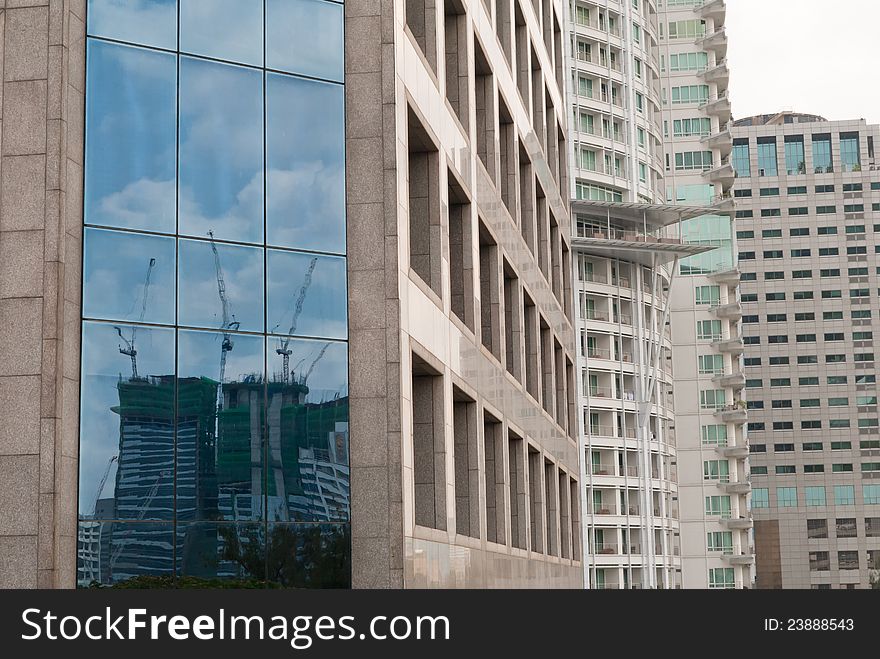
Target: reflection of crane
(129,348)
(284,350)
(142,511)
(229,322)
(315,363)
(102,484)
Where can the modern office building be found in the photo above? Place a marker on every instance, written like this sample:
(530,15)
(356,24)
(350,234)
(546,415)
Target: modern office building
(285,294)
(808,209)
(649,157)
(709,416)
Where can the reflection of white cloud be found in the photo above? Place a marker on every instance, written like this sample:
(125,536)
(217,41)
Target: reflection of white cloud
(152,22)
(200,354)
(225,29)
(324,311)
(140,204)
(329,377)
(306,206)
(242,220)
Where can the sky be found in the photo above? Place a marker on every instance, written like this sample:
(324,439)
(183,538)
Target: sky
(805,55)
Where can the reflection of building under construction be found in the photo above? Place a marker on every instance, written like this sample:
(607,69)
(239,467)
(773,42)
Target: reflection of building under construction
(307,479)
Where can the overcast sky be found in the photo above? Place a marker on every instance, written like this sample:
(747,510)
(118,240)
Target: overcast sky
(805,55)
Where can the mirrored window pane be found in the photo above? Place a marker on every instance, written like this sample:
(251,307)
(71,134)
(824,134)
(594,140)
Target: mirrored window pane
(147,22)
(127,423)
(308,429)
(224,29)
(309,555)
(234,553)
(112,553)
(131,126)
(305,36)
(220,426)
(240,306)
(221,151)
(128,276)
(306,164)
(307,295)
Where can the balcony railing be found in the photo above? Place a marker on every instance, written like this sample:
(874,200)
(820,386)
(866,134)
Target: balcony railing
(628,236)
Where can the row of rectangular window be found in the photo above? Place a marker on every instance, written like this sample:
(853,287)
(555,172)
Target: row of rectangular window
(781,470)
(803,253)
(760,426)
(809,447)
(749,234)
(845,527)
(787,497)
(802,189)
(804,210)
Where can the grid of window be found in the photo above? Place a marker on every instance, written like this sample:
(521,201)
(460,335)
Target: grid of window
(214,294)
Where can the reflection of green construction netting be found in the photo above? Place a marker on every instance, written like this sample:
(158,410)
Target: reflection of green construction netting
(152,399)
(308,426)
(238,432)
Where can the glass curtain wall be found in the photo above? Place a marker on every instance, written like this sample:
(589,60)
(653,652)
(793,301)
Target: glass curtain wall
(214,435)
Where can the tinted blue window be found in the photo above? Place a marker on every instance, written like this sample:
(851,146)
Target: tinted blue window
(308,428)
(128,276)
(221,151)
(130,150)
(306,164)
(324,307)
(127,423)
(220,450)
(224,29)
(147,22)
(306,37)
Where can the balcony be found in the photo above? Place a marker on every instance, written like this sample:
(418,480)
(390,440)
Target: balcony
(732,414)
(719,107)
(716,41)
(723,175)
(733,346)
(633,245)
(713,9)
(601,353)
(719,74)
(739,559)
(732,380)
(738,451)
(609,431)
(730,277)
(732,311)
(606,548)
(737,487)
(722,140)
(738,523)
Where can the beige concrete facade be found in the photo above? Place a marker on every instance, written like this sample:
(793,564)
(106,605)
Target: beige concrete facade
(41,145)
(464,464)
(808,205)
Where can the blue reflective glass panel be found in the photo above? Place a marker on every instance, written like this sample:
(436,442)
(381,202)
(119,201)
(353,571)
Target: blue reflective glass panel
(305,36)
(224,29)
(127,423)
(111,553)
(306,164)
(235,553)
(220,426)
(147,22)
(322,311)
(221,151)
(200,271)
(131,127)
(308,429)
(128,276)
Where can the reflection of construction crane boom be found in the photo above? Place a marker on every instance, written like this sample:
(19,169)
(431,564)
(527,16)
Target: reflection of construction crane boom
(284,349)
(102,484)
(315,363)
(142,511)
(229,322)
(130,348)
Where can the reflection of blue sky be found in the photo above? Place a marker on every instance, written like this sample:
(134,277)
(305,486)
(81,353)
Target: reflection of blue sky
(102,367)
(305,36)
(221,150)
(147,22)
(305,135)
(329,377)
(199,356)
(130,153)
(324,312)
(115,266)
(199,303)
(224,29)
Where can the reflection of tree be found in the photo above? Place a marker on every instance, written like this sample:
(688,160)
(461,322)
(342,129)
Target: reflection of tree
(296,556)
